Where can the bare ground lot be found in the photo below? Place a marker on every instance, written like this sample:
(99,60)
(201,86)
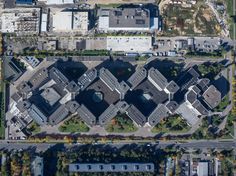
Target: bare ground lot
(196,19)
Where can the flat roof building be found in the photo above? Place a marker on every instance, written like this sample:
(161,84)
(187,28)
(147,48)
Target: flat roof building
(129,43)
(108,114)
(137,77)
(44,22)
(212,97)
(51,96)
(87,78)
(38,78)
(31,61)
(86,115)
(58,115)
(36,114)
(25,20)
(97,97)
(157,115)
(136,115)
(55,2)
(157,79)
(111,167)
(23,2)
(11,70)
(73,21)
(62,25)
(126,19)
(202,168)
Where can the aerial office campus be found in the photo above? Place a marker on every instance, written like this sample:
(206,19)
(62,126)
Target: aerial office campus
(104,87)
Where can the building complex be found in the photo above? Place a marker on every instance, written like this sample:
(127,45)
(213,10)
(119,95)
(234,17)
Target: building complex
(147,97)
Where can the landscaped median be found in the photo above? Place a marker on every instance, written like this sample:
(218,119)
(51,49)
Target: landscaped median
(2,103)
(44,53)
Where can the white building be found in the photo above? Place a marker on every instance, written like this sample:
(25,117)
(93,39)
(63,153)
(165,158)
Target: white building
(44,22)
(54,2)
(129,43)
(68,21)
(202,169)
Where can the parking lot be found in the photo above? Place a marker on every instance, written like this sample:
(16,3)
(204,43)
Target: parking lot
(179,44)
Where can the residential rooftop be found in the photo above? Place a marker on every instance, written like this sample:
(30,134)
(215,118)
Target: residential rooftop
(111,167)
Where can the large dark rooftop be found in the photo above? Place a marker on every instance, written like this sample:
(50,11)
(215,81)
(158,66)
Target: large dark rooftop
(90,97)
(146,97)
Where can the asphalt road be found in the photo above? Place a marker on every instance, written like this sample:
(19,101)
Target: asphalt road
(192,144)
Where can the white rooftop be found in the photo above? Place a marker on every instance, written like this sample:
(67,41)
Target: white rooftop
(129,43)
(187,113)
(60,1)
(202,169)
(69,21)
(62,21)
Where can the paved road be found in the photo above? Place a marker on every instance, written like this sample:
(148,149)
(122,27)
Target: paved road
(192,144)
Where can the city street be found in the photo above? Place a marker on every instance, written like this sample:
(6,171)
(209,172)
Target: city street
(194,144)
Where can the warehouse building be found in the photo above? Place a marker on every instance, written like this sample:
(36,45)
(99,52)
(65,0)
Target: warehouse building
(127,19)
(73,21)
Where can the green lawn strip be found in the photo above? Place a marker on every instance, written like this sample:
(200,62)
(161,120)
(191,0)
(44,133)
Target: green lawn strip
(34,128)
(229,125)
(230,12)
(171,124)
(229,128)
(2,113)
(121,124)
(108,5)
(44,53)
(74,125)
(231,30)
(230,7)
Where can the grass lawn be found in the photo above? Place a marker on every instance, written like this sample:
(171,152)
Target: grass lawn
(34,128)
(74,125)
(230,126)
(209,69)
(204,132)
(171,124)
(223,104)
(121,124)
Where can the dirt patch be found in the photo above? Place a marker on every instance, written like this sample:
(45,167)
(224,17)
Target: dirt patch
(207,14)
(195,20)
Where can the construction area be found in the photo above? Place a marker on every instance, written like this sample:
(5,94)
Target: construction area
(189,19)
